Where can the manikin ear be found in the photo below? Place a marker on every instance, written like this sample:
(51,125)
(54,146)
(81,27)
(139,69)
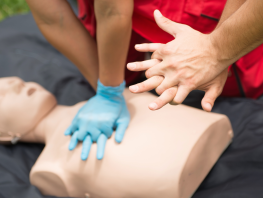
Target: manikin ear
(7,138)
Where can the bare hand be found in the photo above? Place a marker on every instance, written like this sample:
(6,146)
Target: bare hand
(188,62)
(213,89)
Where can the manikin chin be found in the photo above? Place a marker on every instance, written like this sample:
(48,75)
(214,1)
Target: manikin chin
(165,153)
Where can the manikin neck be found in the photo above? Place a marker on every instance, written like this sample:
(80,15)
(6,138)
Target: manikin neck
(46,127)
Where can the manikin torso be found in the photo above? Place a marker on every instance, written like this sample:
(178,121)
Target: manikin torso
(165,153)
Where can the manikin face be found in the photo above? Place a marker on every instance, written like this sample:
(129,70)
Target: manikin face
(22,105)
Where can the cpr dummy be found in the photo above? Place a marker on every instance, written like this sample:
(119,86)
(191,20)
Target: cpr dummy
(165,153)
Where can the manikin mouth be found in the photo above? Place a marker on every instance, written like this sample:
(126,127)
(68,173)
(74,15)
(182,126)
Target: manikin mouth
(31,91)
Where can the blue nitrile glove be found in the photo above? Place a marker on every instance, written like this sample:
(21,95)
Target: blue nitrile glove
(95,121)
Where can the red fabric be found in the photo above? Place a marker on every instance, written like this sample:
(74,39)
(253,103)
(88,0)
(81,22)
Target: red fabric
(201,15)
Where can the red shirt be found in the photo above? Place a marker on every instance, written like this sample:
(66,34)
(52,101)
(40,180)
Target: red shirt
(245,76)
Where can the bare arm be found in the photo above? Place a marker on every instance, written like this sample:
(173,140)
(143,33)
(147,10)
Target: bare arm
(231,7)
(114,26)
(241,32)
(188,62)
(64,31)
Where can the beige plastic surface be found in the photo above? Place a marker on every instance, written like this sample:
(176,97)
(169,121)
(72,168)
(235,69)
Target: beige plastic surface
(22,107)
(165,153)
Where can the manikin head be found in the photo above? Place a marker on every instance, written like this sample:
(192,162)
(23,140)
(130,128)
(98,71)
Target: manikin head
(22,106)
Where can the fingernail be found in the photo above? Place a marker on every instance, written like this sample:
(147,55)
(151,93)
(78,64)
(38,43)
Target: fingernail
(134,88)
(153,105)
(208,106)
(131,66)
(138,46)
(158,13)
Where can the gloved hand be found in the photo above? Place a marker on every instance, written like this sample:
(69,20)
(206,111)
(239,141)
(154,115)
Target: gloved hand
(96,120)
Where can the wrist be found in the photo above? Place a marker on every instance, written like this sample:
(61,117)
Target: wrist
(112,79)
(221,50)
(110,90)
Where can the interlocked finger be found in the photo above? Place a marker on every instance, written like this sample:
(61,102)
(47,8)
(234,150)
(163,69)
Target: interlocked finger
(157,55)
(181,94)
(148,47)
(166,84)
(156,70)
(147,85)
(144,65)
(163,99)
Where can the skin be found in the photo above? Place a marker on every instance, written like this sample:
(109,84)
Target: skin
(199,61)
(114,27)
(229,42)
(105,59)
(64,31)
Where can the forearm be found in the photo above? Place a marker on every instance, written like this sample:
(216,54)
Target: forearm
(240,33)
(64,31)
(114,26)
(231,7)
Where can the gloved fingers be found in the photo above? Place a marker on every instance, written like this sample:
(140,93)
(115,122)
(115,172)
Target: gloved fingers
(86,145)
(94,133)
(68,131)
(121,129)
(163,99)
(82,133)
(101,146)
(147,85)
(144,65)
(73,141)
(107,130)
(73,126)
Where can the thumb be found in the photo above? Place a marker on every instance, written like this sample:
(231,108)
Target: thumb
(210,96)
(166,24)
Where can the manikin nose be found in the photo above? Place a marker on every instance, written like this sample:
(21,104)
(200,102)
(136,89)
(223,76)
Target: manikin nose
(12,84)
(16,85)
(31,91)
(15,80)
